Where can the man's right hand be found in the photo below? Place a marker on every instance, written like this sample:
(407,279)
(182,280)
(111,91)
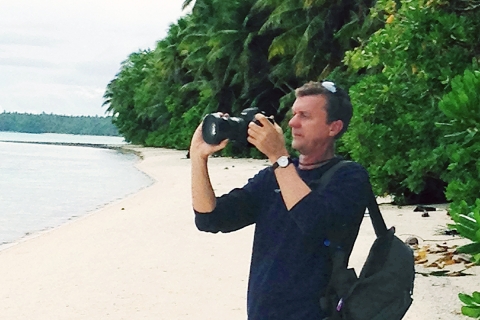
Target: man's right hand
(203,196)
(200,149)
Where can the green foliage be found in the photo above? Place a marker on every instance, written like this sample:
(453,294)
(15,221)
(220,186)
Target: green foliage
(222,57)
(467,223)
(132,124)
(52,123)
(462,107)
(406,68)
(472,304)
(312,35)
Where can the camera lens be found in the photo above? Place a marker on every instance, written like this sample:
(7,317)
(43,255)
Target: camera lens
(215,129)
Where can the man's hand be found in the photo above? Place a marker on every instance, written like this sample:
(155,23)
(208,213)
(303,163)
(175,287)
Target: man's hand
(203,197)
(268,138)
(199,148)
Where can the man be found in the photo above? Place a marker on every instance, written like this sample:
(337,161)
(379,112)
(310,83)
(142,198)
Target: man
(290,265)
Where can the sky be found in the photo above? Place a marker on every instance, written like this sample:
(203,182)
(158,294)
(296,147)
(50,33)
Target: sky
(57,56)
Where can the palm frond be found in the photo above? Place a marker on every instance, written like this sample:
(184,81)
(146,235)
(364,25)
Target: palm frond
(284,16)
(286,43)
(186,3)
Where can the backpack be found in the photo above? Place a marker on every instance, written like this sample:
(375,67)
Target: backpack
(384,289)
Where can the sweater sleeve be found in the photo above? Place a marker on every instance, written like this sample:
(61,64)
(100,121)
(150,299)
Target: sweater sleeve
(236,209)
(341,203)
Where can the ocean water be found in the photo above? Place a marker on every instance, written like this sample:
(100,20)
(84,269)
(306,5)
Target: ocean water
(43,186)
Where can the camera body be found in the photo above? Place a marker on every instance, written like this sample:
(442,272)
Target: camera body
(216,128)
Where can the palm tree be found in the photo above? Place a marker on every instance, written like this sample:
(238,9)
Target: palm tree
(314,35)
(120,97)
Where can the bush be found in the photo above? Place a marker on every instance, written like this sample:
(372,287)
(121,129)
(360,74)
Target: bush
(462,107)
(407,67)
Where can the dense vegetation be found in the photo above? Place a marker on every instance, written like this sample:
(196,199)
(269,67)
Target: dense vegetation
(411,67)
(462,107)
(51,123)
(229,55)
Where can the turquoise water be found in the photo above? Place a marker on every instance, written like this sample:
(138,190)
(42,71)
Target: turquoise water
(43,186)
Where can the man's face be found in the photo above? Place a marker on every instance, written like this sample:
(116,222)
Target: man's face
(309,124)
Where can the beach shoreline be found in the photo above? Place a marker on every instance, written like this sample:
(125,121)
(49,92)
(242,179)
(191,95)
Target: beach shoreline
(118,147)
(126,149)
(141,257)
(33,230)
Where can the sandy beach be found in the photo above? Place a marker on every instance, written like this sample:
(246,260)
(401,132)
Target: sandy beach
(143,258)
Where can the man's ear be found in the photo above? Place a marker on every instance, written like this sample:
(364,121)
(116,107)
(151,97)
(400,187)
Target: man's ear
(335,127)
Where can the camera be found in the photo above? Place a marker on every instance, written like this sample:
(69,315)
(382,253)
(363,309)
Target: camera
(216,128)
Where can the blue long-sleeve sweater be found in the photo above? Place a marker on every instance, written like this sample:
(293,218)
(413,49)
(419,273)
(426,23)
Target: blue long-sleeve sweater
(290,264)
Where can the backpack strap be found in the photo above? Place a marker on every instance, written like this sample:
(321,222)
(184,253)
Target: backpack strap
(377,219)
(343,278)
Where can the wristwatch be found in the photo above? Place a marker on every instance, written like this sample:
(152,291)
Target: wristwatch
(282,162)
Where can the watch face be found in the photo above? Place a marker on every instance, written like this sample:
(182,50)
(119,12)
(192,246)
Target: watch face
(283,161)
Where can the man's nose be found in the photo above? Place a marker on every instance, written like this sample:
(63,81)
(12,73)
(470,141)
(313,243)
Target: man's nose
(293,122)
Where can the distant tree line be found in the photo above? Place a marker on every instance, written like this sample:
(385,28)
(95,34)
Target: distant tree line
(52,123)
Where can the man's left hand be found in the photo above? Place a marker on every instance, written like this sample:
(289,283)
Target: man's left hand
(267,137)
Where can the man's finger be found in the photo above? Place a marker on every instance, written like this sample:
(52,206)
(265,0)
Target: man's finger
(278,128)
(224,143)
(262,119)
(252,140)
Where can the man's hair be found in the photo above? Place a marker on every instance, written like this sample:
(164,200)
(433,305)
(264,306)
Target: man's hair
(338,106)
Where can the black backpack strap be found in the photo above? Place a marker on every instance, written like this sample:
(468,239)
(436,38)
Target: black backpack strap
(377,219)
(343,278)
(327,175)
(334,238)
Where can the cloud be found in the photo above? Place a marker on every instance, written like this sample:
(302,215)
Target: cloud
(18,39)
(26,62)
(59,55)
(53,98)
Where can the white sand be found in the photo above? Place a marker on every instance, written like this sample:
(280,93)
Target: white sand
(142,257)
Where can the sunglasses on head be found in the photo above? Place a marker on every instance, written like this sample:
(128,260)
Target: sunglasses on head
(330,86)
